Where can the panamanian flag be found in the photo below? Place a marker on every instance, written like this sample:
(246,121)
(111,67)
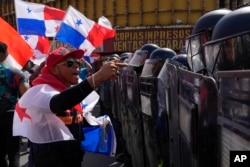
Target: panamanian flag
(35,120)
(37,19)
(83,33)
(19,51)
(40,46)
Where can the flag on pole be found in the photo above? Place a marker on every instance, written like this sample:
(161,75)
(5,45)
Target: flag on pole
(19,51)
(37,19)
(40,45)
(83,33)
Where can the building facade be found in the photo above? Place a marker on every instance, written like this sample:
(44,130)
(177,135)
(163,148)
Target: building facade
(164,22)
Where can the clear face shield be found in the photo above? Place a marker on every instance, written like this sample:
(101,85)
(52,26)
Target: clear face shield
(194,49)
(138,58)
(229,54)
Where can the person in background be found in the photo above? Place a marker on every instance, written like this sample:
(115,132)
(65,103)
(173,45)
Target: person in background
(12,85)
(28,69)
(36,72)
(58,95)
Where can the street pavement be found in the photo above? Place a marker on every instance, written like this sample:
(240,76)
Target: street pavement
(89,160)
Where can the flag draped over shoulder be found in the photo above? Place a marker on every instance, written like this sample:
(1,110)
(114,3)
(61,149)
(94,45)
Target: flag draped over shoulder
(19,51)
(37,19)
(40,45)
(35,120)
(83,33)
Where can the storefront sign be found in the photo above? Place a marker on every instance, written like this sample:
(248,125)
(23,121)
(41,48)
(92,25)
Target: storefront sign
(132,39)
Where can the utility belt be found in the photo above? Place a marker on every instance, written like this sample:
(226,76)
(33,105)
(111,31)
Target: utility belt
(69,120)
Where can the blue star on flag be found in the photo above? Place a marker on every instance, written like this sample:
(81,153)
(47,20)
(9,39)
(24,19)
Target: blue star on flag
(79,22)
(29,10)
(26,38)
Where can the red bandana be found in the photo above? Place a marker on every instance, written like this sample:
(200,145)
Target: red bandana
(47,78)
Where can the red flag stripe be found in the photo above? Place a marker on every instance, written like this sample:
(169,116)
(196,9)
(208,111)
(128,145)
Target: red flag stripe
(53,13)
(99,33)
(17,46)
(43,45)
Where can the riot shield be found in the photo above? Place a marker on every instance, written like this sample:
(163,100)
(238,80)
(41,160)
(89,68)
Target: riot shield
(105,98)
(132,110)
(122,98)
(234,113)
(114,98)
(119,108)
(115,93)
(198,98)
(168,113)
(150,117)
(135,141)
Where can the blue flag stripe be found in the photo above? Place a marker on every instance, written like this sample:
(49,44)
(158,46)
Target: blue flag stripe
(87,58)
(31,27)
(70,35)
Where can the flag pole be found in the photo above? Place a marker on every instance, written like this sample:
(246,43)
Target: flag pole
(52,45)
(15,16)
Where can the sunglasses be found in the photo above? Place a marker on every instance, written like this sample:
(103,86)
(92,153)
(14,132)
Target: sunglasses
(70,62)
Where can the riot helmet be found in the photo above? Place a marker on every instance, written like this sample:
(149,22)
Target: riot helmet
(139,56)
(110,58)
(126,56)
(138,60)
(114,57)
(180,60)
(229,48)
(156,60)
(201,33)
(162,53)
(149,48)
